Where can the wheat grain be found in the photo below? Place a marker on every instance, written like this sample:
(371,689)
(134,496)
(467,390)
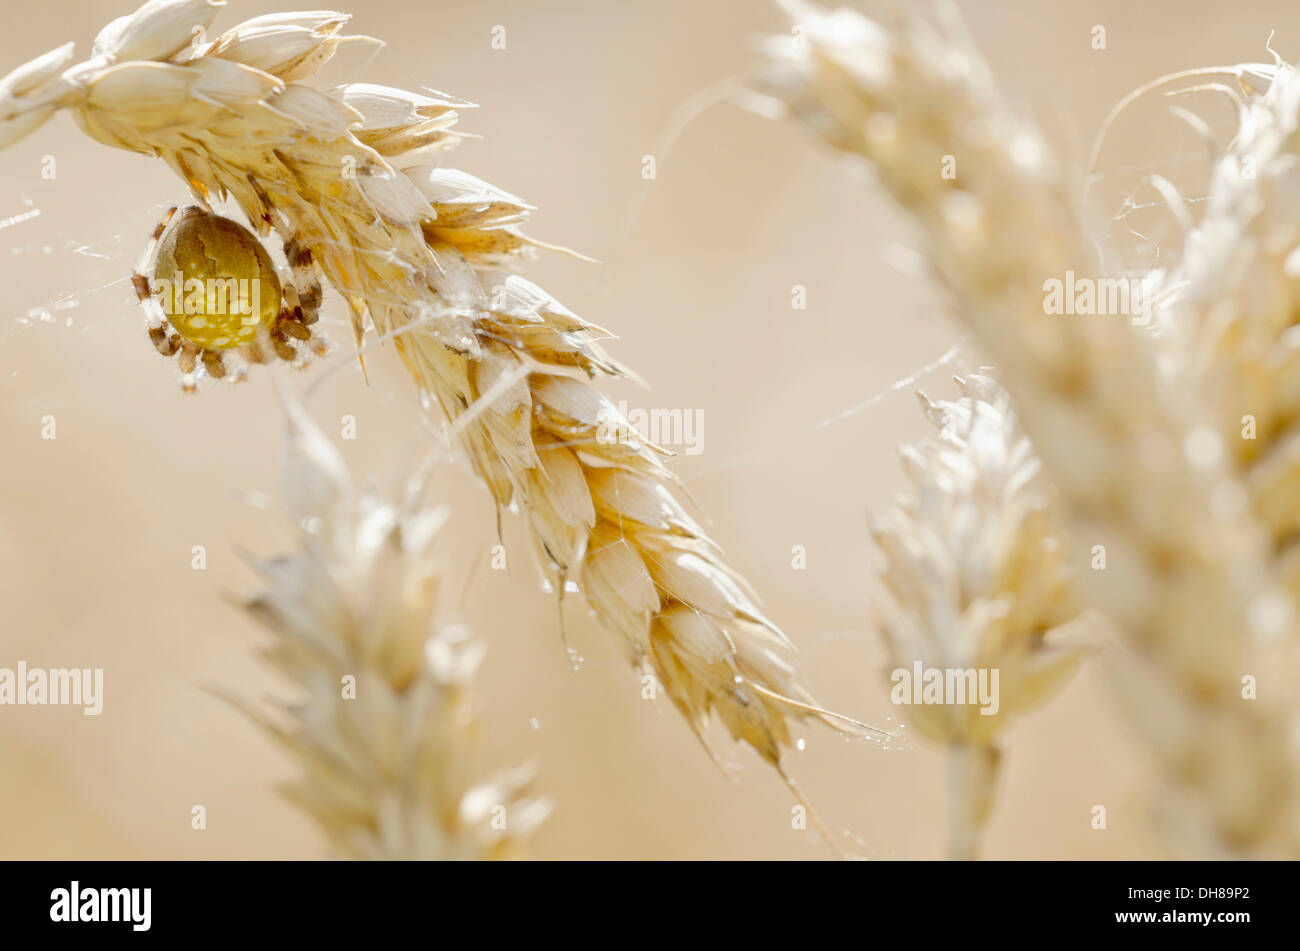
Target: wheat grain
(418,252)
(975,578)
(384,735)
(1138,467)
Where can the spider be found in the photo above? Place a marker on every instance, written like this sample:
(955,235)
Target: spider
(212,295)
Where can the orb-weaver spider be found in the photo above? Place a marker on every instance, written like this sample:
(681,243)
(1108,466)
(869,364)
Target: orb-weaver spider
(215,299)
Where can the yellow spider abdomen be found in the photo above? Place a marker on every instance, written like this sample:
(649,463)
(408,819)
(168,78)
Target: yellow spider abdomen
(214,281)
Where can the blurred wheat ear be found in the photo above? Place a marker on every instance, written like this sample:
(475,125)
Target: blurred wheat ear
(1228,305)
(419,252)
(1133,452)
(975,577)
(384,733)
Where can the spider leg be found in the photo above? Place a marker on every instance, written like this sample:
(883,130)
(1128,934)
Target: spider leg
(214,362)
(255,352)
(189,365)
(302,310)
(283,349)
(165,340)
(152,246)
(305,281)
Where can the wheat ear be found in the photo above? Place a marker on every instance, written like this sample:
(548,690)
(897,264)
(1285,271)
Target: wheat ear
(1229,308)
(417,252)
(385,733)
(1138,469)
(975,577)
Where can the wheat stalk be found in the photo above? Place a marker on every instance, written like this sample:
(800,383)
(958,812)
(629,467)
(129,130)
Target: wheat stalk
(975,577)
(417,252)
(384,735)
(1138,469)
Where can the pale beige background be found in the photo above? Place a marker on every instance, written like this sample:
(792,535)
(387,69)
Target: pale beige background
(96,527)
